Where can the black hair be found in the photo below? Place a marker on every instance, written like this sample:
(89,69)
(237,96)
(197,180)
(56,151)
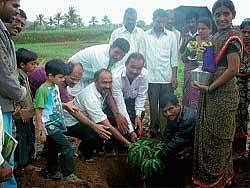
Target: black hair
(122,44)
(129,11)
(227,3)
(99,72)
(168,99)
(55,67)
(206,21)
(72,65)
(159,13)
(135,55)
(245,23)
(191,15)
(25,56)
(22,13)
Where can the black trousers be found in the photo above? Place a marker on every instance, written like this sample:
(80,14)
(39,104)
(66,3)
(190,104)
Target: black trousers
(89,139)
(58,143)
(25,135)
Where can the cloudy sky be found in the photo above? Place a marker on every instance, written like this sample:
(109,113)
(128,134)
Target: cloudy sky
(115,8)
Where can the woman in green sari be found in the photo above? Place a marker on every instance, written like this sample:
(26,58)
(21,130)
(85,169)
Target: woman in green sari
(213,165)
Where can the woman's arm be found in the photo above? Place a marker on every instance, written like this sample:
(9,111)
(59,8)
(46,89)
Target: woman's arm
(233,60)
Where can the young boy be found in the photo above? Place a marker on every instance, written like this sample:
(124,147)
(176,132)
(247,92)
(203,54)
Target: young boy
(23,115)
(50,122)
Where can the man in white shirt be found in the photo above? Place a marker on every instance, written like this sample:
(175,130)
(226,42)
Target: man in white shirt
(134,35)
(161,62)
(98,57)
(129,89)
(91,102)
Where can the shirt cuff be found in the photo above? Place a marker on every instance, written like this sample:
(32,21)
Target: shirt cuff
(138,113)
(1,159)
(130,128)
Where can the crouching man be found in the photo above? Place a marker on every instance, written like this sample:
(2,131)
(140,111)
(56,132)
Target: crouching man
(91,102)
(129,89)
(178,137)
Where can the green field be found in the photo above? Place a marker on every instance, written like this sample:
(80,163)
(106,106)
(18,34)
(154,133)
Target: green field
(49,45)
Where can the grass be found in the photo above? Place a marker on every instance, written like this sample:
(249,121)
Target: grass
(62,50)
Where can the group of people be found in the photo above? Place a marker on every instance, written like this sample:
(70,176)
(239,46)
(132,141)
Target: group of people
(99,95)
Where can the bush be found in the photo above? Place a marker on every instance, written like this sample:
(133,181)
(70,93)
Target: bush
(85,35)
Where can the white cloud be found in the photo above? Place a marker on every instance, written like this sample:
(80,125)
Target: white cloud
(115,8)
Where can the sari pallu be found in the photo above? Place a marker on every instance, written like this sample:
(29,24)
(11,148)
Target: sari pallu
(214,133)
(242,117)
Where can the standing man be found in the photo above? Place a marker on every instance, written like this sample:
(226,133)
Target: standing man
(13,91)
(129,89)
(161,61)
(17,24)
(170,26)
(190,31)
(134,35)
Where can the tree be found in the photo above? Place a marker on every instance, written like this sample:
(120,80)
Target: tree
(106,20)
(140,23)
(40,19)
(51,21)
(58,17)
(72,17)
(93,21)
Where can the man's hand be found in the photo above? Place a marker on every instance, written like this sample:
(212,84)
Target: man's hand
(138,126)
(41,135)
(133,137)
(174,82)
(69,106)
(122,124)
(6,172)
(102,131)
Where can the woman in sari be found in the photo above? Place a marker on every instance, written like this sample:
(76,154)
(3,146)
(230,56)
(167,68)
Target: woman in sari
(242,117)
(192,61)
(213,165)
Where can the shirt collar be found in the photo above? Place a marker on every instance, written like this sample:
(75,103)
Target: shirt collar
(124,75)
(164,32)
(124,30)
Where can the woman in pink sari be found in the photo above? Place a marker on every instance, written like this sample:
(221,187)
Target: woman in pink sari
(192,60)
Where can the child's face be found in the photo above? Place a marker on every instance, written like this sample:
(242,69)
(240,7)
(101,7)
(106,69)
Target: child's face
(29,67)
(57,79)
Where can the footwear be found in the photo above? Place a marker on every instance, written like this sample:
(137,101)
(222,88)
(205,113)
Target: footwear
(54,176)
(72,178)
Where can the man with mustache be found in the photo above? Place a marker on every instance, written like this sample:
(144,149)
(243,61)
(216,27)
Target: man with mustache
(91,101)
(129,31)
(13,91)
(98,57)
(129,89)
(178,138)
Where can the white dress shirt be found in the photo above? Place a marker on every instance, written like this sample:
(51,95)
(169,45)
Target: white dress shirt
(136,40)
(92,59)
(1,136)
(91,103)
(161,56)
(122,89)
